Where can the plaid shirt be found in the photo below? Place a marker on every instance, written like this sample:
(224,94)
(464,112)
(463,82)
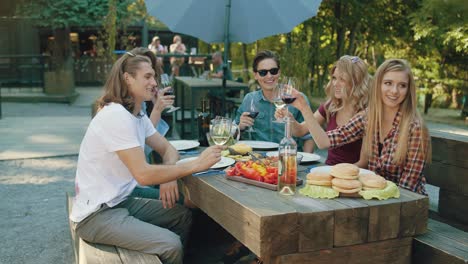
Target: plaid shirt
(408,175)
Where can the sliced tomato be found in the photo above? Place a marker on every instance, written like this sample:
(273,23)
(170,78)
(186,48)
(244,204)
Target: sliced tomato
(271,178)
(231,171)
(250,173)
(271,169)
(239,165)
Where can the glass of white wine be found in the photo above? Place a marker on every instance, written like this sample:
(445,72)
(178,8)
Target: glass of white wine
(220,130)
(278,101)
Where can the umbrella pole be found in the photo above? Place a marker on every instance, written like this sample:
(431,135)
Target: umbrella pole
(226,52)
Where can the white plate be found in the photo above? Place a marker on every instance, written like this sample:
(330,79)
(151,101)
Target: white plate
(260,144)
(223,163)
(328,169)
(306,157)
(184,144)
(309,157)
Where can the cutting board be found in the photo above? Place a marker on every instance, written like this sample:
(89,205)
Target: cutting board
(265,185)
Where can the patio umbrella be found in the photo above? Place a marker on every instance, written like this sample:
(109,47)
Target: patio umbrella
(245,21)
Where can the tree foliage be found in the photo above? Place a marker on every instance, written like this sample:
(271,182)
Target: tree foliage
(431,34)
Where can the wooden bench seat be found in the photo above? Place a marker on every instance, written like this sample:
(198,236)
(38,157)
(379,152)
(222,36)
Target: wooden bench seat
(91,253)
(441,244)
(448,171)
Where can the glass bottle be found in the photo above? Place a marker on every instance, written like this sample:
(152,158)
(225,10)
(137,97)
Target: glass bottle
(287,164)
(203,124)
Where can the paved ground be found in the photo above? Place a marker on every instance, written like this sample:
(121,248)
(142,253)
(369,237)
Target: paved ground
(38,153)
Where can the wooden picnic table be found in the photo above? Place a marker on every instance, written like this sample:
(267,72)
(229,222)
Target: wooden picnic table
(299,229)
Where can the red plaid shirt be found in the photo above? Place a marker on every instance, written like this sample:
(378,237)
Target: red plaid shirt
(408,175)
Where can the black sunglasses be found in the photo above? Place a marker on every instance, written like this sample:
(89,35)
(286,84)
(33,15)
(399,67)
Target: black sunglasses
(273,71)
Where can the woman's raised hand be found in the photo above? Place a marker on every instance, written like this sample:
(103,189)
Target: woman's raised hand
(300,103)
(162,101)
(281,113)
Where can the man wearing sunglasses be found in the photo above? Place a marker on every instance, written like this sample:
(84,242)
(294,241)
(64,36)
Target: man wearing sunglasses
(266,67)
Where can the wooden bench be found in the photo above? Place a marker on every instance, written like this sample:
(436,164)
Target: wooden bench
(448,171)
(441,244)
(90,253)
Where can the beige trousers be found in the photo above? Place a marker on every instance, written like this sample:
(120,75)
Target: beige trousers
(140,224)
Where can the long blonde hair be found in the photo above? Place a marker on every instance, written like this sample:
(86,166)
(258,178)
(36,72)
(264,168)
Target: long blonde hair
(116,89)
(355,72)
(408,109)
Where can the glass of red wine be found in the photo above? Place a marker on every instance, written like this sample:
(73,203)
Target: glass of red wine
(286,92)
(166,82)
(253,113)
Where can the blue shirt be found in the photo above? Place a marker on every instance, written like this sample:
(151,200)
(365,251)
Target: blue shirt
(162,127)
(266,129)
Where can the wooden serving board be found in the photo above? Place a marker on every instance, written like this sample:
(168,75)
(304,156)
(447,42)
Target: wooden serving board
(265,185)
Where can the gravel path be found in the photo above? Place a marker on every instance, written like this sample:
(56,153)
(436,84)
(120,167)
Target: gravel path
(33,220)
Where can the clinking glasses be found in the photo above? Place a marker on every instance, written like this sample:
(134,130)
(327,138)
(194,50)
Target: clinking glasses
(273,71)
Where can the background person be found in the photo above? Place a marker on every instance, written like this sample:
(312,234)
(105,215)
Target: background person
(177,47)
(111,162)
(156,47)
(217,60)
(396,143)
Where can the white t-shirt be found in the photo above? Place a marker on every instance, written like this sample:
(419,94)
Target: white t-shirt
(101,177)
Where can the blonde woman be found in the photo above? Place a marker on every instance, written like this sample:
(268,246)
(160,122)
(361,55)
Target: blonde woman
(396,143)
(347,94)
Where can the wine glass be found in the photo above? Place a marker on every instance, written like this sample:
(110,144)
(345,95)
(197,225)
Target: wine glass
(286,92)
(278,102)
(220,130)
(166,82)
(253,113)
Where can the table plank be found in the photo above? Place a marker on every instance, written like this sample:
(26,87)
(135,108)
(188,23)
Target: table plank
(315,225)
(414,213)
(253,215)
(388,251)
(384,219)
(351,223)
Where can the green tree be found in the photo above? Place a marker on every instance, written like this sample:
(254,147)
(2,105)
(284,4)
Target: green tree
(441,44)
